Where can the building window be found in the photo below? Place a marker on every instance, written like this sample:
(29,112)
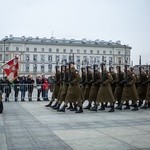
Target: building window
(91,51)
(27,57)
(17,48)
(1,48)
(27,67)
(84,51)
(34,67)
(98,59)
(42,58)
(42,68)
(50,50)
(42,50)
(49,67)
(1,57)
(35,49)
(110,52)
(104,52)
(110,61)
(27,49)
(57,58)
(64,50)
(91,59)
(118,52)
(35,58)
(57,50)
(119,60)
(78,51)
(50,58)
(7,48)
(71,50)
(97,51)
(6,57)
(64,58)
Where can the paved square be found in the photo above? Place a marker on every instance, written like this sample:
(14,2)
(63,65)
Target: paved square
(29,125)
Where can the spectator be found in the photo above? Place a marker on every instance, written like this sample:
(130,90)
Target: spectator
(45,88)
(16,88)
(39,88)
(23,87)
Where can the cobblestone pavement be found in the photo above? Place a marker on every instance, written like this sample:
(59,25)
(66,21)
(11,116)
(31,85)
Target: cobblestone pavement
(31,126)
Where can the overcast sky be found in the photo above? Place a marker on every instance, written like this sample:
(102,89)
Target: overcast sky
(125,20)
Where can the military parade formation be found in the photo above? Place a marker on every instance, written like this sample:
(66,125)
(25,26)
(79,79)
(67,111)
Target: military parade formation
(114,88)
(123,89)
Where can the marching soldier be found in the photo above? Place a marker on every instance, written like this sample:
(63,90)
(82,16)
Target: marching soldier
(129,90)
(73,92)
(56,88)
(119,86)
(105,91)
(95,86)
(147,98)
(142,86)
(88,86)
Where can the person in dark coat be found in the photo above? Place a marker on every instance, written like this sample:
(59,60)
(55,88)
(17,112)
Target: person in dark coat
(30,82)
(1,103)
(23,87)
(7,89)
(16,88)
(39,86)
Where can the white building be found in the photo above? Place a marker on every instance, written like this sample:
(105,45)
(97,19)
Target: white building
(40,55)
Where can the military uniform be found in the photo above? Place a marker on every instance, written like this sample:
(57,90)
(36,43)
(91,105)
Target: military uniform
(55,90)
(94,87)
(119,87)
(129,90)
(142,87)
(1,103)
(73,92)
(147,98)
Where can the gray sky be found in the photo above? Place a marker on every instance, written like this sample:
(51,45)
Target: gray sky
(125,20)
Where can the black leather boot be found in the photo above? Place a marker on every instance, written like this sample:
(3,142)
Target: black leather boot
(1,107)
(135,108)
(62,109)
(73,108)
(94,108)
(144,106)
(57,107)
(119,107)
(112,109)
(80,110)
(49,105)
(102,106)
(127,106)
(54,105)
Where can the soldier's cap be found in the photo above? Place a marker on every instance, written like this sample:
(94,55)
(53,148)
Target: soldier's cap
(117,66)
(96,65)
(111,67)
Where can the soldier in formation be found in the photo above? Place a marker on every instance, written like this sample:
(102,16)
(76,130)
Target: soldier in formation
(101,88)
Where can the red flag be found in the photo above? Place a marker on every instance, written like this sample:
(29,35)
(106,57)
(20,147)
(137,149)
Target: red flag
(11,69)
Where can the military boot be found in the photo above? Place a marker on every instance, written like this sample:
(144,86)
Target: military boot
(54,105)
(73,108)
(49,105)
(88,106)
(62,109)
(94,108)
(80,110)
(149,104)
(102,106)
(127,106)
(144,106)
(1,107)
(140,103)
(112,109)
(70,107)
(57,107)
(135,108)
(119,107)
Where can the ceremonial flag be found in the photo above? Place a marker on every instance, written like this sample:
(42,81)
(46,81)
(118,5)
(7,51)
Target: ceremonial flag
(11,68)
